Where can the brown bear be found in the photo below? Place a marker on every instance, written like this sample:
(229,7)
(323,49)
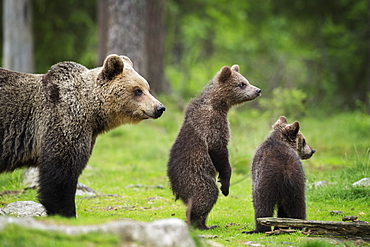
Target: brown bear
(52,120)
(200,149)
(277,175)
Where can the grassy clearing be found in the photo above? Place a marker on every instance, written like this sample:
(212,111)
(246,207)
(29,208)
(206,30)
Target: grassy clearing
(128,169)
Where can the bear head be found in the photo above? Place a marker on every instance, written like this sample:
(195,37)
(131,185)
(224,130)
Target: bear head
(235,88)
(290,133)
(127,97)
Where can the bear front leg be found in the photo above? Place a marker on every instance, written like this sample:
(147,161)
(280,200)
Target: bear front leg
(57,190)
(220,159)
(60,167)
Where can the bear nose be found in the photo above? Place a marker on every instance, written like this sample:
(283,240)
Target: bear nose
(258,91)
(159,110)
(313,151)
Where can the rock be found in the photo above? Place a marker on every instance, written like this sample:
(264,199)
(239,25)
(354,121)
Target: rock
(254,244)
(319,184)
(365,182)
(166,232)
(31,180)
(336,212)
(83,190)
(23,209)
(350,218)
(145,186)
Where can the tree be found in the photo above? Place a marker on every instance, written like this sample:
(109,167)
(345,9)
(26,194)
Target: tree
(339,32)
(155,45)
(17,36)
(135,28)
(64,31)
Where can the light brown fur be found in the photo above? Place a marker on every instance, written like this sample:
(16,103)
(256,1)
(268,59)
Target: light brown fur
(52,120)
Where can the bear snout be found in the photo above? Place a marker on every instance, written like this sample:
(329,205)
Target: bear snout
(258,91)
(159,109)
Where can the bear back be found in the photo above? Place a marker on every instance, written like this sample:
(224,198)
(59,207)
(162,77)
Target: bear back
(63,78)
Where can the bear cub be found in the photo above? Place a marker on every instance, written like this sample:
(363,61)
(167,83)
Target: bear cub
(277,175)
(200,149)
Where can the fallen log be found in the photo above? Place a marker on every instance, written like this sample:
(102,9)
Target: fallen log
(316,227)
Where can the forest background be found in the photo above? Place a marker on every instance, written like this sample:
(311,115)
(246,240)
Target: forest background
(310,58)
(316,52)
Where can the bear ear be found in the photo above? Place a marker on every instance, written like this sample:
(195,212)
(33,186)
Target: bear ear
(293,128)
(235,67)
(113,66)
(225,74)
(282,121)
(128,60)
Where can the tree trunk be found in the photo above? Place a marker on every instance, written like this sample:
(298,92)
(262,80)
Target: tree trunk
(135,28)
(126,31)
(17,35)
(103,31)
(155,46)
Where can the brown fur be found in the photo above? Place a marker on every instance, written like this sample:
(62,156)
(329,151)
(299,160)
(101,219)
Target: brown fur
(52,120)
(200,150)
(277,175)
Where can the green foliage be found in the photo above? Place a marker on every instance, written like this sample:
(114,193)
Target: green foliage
(321,49)
(14,235)
(285,101)
(317,244)
(340,182)
(64,31)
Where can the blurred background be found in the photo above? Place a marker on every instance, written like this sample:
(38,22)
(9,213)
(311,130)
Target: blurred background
(304,55)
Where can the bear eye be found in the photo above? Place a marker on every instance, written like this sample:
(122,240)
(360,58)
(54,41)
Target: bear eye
(242,85)
(138,92)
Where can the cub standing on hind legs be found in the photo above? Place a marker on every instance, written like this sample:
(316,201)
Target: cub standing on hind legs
(277,174)
(200,150)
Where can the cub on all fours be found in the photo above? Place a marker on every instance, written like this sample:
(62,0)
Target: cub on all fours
(52,120)
(278,178)
(200,150)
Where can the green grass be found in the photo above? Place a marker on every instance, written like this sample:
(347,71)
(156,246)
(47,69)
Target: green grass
(137,155)
(22,237)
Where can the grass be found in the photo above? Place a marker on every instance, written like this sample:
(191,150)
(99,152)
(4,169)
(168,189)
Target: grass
(128,169)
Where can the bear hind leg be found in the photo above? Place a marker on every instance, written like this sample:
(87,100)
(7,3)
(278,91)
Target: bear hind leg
(263,203)
(201,204)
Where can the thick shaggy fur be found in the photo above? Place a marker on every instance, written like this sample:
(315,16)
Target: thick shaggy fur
(200,150)
(278,178)
(52,120)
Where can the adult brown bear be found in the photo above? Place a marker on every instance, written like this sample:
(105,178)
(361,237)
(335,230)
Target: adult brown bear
(52,120)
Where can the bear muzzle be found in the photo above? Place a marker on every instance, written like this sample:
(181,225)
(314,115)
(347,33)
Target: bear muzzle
(306,156)
(159,109)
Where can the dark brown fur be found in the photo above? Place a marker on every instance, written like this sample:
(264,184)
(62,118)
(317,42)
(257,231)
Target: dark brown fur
(278,178)
(200,150)
(52,120)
